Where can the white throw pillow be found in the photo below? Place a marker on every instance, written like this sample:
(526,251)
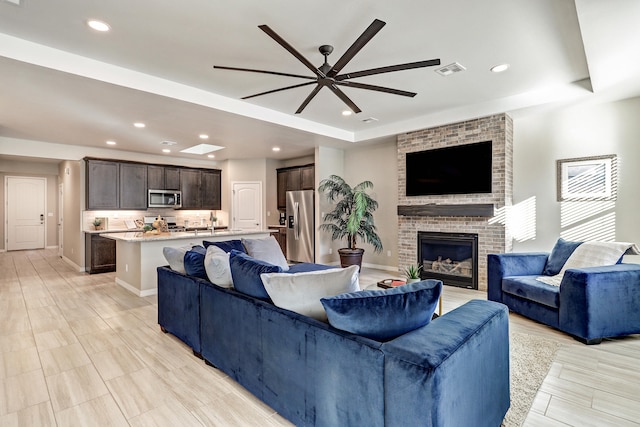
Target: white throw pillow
(301,292)
(592,254)
(267,250)
(175,257)
(216,264)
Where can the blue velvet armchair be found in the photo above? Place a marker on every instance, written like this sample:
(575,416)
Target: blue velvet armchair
(590,304)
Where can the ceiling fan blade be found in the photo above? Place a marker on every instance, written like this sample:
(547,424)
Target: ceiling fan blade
(376,88)
(313,93)
(344,98)
(277,73)
(364,38)
(291,49)
(389,69)
(278,90)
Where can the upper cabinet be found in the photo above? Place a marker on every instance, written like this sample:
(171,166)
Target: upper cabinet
(133,186)
(293,179)
(124,185)
(201,189)
(102,185)
(163,177)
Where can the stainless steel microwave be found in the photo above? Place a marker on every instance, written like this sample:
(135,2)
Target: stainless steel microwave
(165,199)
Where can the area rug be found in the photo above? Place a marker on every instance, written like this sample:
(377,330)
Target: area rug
(531,357)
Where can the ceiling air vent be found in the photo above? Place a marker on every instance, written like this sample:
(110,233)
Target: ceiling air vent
(369,120)
(168,143)
(447,70)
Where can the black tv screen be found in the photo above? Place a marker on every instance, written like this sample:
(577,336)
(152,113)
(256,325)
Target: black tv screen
(462,169)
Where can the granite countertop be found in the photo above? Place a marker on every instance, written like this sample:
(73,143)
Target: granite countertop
(138,236)
(114,230)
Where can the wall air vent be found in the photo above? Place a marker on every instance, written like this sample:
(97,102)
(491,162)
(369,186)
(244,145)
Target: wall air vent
(447,70)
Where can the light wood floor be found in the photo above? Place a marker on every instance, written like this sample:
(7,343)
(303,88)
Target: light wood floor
(77,349)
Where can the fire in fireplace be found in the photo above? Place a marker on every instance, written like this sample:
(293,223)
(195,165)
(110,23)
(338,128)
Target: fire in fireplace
(450,257)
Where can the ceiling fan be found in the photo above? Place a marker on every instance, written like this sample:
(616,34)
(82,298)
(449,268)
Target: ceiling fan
(327,75)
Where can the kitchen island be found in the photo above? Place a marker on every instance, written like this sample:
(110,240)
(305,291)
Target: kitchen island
(138,254)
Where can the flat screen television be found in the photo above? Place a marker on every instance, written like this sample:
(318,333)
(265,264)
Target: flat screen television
(462,169)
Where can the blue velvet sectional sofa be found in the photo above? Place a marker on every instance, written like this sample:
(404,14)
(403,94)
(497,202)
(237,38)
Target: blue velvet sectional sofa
(452,372)
(590,303)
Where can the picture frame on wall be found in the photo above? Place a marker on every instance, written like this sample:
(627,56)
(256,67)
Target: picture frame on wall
(587,178)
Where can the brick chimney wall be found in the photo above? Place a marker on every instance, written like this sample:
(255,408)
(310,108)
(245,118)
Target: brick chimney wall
(493,235)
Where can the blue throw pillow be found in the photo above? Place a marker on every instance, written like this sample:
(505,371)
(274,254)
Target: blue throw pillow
(559,256)
(386,314)
(227,245)
(194,262)
(246,271)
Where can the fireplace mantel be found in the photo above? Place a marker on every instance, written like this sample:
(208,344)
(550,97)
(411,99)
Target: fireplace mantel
(468,209)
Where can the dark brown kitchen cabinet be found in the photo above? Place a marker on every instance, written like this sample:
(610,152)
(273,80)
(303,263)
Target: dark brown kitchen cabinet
(201,189)
(133,186)
(102,184)
(163,178)
(282,176)
(100,254)
(190,187)
(307,177)
(211,189)
(294,179)
(281,238)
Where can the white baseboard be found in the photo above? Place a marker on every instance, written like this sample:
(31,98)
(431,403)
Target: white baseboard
(73,264)
(135,290)
(51,247)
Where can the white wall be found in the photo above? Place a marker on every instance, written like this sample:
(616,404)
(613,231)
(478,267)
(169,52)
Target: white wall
(577,131)
(329,161)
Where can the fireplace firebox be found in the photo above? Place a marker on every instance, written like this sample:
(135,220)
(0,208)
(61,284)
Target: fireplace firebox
(450,257)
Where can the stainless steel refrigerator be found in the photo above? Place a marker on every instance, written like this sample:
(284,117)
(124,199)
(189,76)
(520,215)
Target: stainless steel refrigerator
(300,226)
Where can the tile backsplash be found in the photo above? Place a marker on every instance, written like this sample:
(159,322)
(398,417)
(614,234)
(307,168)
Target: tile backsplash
(116,219)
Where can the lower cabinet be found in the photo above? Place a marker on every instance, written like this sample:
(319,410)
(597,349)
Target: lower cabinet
(281,237)
(100,254)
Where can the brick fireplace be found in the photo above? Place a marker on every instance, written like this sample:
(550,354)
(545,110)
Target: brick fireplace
(473,214)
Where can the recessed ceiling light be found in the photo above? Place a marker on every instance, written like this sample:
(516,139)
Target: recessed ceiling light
(500,68)
(166,150)
(201,149)
(111,143)
(203,136)
(139,125)
(347,112)
(211,156)
(275,149)
(98,25)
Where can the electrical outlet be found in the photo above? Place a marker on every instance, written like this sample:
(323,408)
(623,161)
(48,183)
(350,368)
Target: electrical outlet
(388,253)
(126,268)
(71,251)
(268,213)
(330,251)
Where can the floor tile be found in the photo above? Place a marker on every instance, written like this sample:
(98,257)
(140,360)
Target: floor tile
(98,412)
(75,386)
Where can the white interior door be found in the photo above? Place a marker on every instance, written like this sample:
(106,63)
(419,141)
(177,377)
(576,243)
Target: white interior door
(246,205)
(26,201)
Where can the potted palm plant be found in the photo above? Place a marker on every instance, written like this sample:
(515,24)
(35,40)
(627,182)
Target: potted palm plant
(351,219)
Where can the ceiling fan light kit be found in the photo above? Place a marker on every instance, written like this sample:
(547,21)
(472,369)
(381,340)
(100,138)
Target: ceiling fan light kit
(329,76)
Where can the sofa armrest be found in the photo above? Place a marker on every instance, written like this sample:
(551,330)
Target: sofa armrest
(600,302)
(442,373)
(511,264)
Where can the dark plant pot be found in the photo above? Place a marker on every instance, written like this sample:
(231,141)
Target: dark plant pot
(351,257)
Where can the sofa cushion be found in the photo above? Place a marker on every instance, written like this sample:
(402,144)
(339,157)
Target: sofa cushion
(560,253)
(267,250)
(216,264)
(384,314)
(309,266)
(226,245)
(246,271)
(175,257)
(194,262)
(528,287)
(301,292)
